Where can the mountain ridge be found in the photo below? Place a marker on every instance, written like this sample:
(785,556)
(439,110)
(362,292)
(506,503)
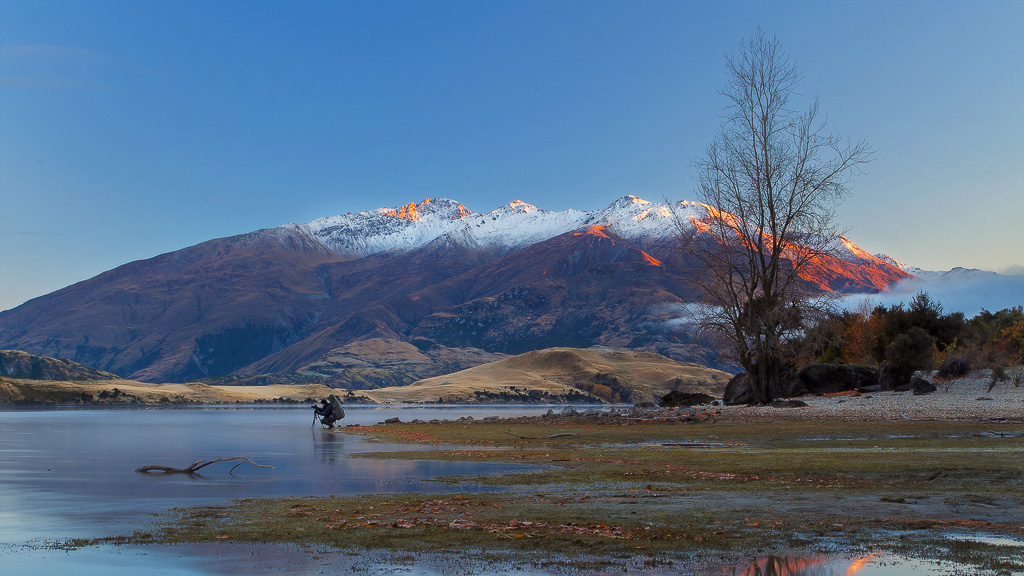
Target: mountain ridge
(434,272)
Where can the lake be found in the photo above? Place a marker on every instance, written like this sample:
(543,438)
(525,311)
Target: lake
(71,474)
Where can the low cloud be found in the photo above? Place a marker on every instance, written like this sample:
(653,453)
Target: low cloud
(970,296)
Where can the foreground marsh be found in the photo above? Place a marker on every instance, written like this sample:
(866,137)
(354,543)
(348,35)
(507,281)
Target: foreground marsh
(660,494)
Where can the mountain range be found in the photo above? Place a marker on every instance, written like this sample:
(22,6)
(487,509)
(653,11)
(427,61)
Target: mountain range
(433,279)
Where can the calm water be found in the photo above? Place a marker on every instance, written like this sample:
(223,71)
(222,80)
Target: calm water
(71,473)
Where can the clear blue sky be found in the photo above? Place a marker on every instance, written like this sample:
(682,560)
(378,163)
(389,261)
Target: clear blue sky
(129,129)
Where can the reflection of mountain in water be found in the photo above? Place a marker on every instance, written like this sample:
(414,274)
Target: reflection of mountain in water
(787,566)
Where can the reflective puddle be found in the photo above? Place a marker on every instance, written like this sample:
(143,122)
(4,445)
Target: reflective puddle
(870,565)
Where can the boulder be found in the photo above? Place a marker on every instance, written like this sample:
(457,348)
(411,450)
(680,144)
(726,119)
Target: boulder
(675,399)
(889,379)
(789,404)
(831,378)
(919,386)
(739,391)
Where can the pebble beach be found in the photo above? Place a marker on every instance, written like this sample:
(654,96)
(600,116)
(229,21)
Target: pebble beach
(961,399)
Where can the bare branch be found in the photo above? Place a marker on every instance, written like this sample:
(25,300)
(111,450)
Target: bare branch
(770,182)
(198,465)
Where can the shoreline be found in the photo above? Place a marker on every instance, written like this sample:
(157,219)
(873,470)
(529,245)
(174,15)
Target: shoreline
(608,490)
(961,399)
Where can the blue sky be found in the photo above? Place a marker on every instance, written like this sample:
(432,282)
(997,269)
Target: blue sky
(129,129)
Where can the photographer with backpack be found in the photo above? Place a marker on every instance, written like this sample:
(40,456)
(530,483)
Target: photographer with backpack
(326,413)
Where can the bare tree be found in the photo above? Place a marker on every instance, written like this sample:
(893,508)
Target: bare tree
(770,182)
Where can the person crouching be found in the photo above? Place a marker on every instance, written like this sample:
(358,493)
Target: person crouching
(326,413)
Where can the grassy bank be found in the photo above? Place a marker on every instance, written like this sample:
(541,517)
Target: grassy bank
(606,492)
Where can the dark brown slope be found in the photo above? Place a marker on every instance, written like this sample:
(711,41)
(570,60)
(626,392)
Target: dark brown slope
(277,301)
(578,289)
(156,319)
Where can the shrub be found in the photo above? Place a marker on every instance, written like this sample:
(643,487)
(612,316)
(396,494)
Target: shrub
(911,351)
(1016,374)
(998,375)
(954,367)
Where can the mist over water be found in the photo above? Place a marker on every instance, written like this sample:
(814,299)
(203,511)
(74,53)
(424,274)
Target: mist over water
(970,296)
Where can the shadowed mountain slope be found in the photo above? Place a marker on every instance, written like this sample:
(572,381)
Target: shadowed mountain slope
(432,274)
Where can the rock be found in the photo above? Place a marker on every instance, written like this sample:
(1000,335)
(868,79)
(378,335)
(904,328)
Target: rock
(832,378)
(676,398)
(888,379)
(920,386)
(395,420)
(789,404)
(739,391)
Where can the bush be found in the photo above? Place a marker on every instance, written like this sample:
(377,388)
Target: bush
(998,375)
(911,351)
(1016,374)
(954,367)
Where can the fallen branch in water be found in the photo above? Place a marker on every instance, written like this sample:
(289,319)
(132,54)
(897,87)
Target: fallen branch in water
(905,417)
(561,435)
(197,465)
(997,419)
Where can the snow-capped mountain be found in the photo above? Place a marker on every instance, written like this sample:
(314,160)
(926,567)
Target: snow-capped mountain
(433,274)
(956,274)
(509,227)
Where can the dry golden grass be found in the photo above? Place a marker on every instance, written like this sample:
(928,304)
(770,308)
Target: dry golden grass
(13,391)
(551,375)
(556,370)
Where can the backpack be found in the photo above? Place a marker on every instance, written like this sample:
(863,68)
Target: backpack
(339,412)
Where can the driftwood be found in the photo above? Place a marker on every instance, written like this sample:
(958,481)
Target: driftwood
(198,465)
(996,420)
(561,435)
(1002,434)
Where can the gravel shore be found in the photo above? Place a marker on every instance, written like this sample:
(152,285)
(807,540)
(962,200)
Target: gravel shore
(961,399)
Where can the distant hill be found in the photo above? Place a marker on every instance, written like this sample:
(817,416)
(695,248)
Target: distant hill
(564,375)
(556,375)
(25,366)
(370,363)
(435,275)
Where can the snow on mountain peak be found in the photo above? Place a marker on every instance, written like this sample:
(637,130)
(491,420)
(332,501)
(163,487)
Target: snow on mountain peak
(510,226)
(517,207)
(897,263)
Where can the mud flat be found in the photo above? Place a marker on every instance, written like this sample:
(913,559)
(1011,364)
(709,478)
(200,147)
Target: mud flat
(937,478)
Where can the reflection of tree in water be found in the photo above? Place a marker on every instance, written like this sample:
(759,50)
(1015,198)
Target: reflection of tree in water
(329,447)
(788,566)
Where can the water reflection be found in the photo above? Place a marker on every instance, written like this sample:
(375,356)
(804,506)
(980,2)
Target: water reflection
(785,566)
(71,473)
(868,565)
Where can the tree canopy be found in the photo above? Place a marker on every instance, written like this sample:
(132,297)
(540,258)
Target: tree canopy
(770,182)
